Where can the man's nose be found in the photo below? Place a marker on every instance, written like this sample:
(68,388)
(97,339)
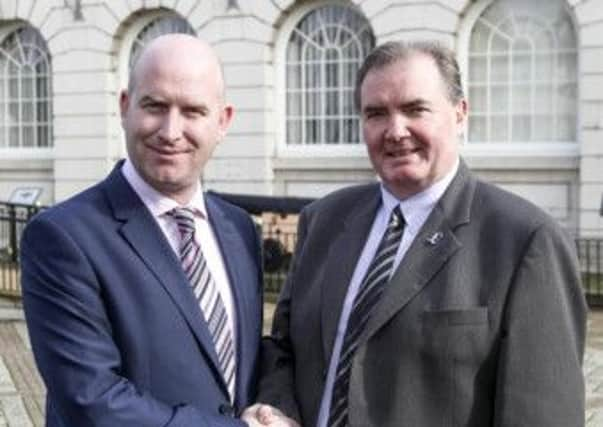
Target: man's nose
(397,127)
(171,126)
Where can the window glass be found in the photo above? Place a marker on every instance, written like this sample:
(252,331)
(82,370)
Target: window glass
(522,82)
(25,93)
(158,27)
(323,55)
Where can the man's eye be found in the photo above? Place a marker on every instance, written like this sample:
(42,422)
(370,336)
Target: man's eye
(193,113)
(417,110)
(374,114)
(153,108)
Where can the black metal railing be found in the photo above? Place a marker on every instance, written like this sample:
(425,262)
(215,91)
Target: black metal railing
(590,254)
(277,220)
(13,218)
(277,249)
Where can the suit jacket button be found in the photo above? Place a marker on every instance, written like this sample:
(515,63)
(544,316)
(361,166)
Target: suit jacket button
(226,409)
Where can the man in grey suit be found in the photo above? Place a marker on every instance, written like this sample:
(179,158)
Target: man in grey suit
(430,298)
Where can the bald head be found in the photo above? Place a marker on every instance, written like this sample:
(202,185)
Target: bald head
(176,50)
(174,113)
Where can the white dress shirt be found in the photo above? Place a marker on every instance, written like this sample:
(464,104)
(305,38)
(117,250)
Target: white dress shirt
(159,205)
(415,210)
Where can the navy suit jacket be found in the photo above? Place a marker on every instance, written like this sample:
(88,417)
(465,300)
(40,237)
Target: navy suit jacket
(116,332)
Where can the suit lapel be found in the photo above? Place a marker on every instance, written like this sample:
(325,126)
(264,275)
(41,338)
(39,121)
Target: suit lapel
(342,257)
(145,237)
(434,245)
(420,264)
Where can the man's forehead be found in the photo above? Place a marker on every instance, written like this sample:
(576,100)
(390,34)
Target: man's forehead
(407,64)
(416,73)
(163,75)
(174,53)
(176,46)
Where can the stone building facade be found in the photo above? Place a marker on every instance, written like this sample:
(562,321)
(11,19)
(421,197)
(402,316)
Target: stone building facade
(533,72)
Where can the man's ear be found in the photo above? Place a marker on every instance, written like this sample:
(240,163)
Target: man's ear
(461,112)
(226,116)
(124,103)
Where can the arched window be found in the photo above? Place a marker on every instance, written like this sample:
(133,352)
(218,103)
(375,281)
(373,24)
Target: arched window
(323,55)
(166,24)
(25,90)
(522,74)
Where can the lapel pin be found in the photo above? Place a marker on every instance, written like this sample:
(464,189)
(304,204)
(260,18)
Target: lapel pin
(435,238)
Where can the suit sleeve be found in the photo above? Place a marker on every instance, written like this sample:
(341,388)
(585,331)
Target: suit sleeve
(72,340)
(277,377)
(539,380)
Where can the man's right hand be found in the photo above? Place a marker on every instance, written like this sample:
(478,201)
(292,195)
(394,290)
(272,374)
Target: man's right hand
(262,414)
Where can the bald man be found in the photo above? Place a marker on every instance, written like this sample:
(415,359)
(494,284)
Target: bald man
(143,294)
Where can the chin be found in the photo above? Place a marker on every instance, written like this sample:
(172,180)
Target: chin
(405,174)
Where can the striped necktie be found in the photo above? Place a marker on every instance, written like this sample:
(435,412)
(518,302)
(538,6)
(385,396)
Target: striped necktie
(369,293)
(206,292)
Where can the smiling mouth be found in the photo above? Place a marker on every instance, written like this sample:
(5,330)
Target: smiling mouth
(402,153)
(163,152)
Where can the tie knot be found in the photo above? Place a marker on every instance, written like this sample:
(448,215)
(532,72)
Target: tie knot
(396,220)
(185,219)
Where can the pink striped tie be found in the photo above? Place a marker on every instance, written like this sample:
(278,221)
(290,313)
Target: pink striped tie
(205,290)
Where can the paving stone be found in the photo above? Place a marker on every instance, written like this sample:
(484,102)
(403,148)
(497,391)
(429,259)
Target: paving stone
(22,331)
(28,383)
(11,313)
(6,381)
(595,419)
(14,411)
(22,390)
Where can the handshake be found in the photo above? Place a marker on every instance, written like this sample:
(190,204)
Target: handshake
(262,414)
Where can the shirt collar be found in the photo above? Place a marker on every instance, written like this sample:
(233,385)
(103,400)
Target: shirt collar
(158,203)
(417,207)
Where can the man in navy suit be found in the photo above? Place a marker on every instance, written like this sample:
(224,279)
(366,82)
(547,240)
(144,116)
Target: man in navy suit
(121,334)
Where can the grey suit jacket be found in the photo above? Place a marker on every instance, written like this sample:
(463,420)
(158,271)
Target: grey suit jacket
(485,327)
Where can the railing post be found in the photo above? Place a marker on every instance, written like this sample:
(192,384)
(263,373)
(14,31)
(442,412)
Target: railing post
(12,232)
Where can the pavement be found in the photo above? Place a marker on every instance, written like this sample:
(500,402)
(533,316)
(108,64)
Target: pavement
(593,369)
(22,391)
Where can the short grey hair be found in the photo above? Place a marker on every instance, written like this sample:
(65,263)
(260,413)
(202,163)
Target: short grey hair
(394,51)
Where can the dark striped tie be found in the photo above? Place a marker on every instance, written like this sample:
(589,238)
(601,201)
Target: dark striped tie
(205,290)
(368,295)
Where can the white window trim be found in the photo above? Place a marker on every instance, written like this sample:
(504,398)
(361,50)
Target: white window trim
(283,150)
(477,148)
(516,149)
(21,153)
(130,36)
(29,153)
(8,29)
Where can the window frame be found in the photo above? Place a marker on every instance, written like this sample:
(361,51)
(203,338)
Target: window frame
(131,35)
(283,149)
(516,148)
(33,152)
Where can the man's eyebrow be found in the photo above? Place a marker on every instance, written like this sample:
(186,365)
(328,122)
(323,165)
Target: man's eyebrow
(196,106)
(418,102)
(150,99)
(374,107)
(414,103)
